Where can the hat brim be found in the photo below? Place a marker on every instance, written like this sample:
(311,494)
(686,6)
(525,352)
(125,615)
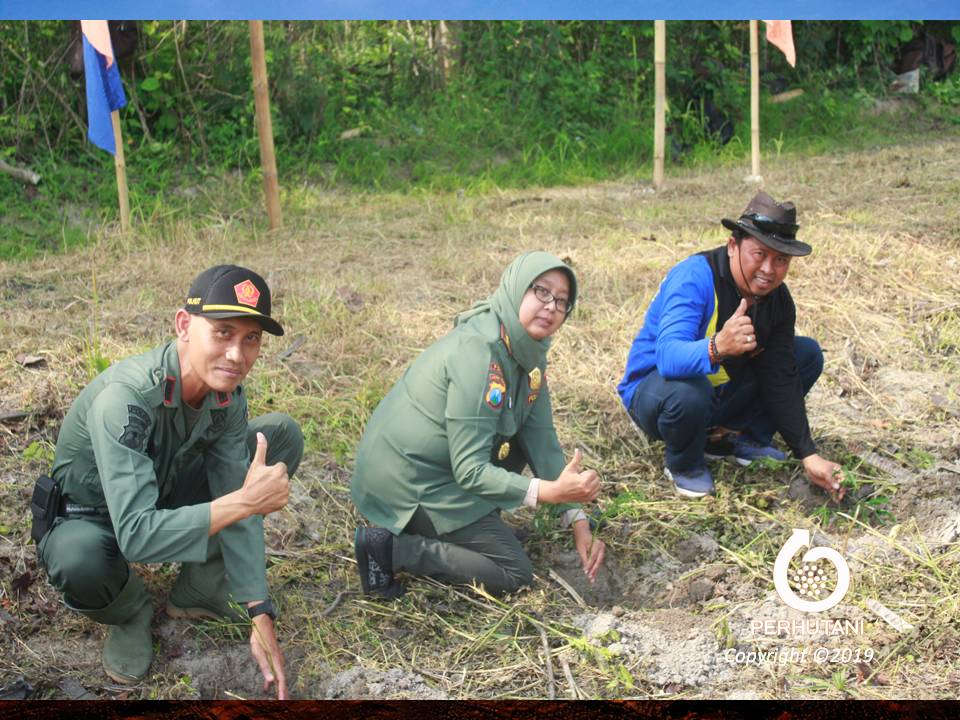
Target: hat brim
(268,324)
(787,247)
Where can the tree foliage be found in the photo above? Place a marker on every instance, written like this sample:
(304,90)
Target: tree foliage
(421,93)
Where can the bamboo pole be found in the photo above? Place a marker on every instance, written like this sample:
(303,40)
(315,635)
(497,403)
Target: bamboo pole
(120,163)
(755,102)
(659,113)
(261,96)
(443,50)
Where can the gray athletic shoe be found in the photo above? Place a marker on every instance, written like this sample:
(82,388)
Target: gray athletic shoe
(691,483)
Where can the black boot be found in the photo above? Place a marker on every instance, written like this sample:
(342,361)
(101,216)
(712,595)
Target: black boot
(373,548)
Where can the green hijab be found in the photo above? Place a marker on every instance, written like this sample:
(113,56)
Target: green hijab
(505,303)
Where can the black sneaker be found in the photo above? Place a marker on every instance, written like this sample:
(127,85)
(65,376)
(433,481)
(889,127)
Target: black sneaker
(373,548)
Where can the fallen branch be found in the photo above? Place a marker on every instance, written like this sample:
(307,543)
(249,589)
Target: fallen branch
(551,680)
(336,601)
(298,342)
(14,416)
(21,174)
(572,688)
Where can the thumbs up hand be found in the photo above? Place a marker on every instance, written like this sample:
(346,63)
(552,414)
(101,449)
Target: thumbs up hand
(260,455)
(738,335)
(573,485)
(266,487)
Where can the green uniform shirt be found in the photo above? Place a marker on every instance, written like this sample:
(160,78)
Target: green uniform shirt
(431,441)
(123,445)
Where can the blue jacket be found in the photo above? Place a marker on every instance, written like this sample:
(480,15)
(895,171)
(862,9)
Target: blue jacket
(695,299)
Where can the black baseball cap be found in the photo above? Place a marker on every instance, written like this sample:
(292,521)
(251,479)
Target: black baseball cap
(226,291)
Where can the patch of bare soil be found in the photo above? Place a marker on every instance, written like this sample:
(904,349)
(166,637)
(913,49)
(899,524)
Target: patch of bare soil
(664,579)
(359,684)
(662,648)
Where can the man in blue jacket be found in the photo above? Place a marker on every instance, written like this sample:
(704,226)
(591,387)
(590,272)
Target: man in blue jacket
(717,350)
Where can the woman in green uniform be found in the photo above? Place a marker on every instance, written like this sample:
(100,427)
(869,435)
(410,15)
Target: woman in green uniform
(441,455)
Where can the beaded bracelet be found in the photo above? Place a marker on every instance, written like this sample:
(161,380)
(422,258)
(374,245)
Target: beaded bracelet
(714,353)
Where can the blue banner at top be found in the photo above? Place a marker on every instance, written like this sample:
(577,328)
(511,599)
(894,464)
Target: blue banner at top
(482,9)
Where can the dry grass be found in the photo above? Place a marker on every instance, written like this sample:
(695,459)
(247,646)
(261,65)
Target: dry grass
(370,280)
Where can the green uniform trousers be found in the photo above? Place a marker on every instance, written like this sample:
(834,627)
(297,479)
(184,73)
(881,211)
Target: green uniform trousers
(485,551)
(81,555)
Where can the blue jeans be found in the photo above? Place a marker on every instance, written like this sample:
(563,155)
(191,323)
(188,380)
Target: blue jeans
(680,411)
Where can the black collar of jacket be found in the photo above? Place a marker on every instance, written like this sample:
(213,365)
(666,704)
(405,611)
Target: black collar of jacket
(767,313)
(719,262)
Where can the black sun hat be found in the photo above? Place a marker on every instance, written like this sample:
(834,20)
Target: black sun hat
(226,291)
(772,223)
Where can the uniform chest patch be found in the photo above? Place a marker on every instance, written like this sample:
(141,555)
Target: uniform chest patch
(135,431)
(218,418)
(496,387)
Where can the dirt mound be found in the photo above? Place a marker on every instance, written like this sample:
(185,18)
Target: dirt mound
(667,647)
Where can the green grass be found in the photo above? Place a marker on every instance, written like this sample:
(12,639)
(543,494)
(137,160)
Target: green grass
(459,145)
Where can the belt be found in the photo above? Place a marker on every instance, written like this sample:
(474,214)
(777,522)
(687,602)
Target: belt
(71,508)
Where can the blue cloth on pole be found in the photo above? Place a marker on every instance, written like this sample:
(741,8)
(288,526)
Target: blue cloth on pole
(104,95)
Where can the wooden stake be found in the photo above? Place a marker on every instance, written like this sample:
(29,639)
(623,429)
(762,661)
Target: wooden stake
(443,50)
(659,113)
(261,96)
(755,102)
(121,166)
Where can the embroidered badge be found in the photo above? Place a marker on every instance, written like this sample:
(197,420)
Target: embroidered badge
(504,452)
(496,387)
(135,431)
(247,293)
(218,419)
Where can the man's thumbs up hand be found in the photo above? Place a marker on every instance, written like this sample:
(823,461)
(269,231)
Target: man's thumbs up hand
(737,336)
(266,487)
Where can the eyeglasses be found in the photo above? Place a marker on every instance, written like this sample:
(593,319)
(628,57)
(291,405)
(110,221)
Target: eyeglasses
(786,231)
(546,297)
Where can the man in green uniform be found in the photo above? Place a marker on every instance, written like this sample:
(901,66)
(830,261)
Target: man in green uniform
(442,453)
(154,465)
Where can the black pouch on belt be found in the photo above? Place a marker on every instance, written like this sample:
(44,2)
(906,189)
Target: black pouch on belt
(44,506)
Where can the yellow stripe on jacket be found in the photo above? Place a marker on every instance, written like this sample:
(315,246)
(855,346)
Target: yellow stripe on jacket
(719,377)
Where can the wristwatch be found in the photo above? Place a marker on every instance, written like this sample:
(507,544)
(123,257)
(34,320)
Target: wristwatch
(262,608)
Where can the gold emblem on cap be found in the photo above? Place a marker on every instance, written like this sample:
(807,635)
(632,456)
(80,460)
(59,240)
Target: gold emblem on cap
(535,379)
(504,451)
